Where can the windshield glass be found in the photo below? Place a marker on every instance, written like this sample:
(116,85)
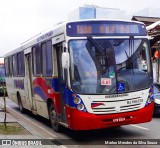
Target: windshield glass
(103,66)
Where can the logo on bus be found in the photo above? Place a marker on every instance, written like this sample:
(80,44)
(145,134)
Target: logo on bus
(45,36)
(19,84)
(121,86)
(93,105)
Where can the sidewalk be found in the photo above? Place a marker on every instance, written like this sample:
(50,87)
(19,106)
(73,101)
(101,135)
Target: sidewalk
(30,136)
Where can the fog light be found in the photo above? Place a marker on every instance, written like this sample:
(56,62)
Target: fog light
(77,100)
(80,107)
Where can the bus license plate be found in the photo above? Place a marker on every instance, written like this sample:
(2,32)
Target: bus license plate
(119,119)
(135,101)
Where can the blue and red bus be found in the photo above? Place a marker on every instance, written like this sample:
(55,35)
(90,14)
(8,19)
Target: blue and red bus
(84,75)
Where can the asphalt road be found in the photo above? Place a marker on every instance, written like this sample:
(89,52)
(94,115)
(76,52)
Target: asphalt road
(142,134)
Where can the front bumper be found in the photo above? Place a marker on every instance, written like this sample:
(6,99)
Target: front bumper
(78,120)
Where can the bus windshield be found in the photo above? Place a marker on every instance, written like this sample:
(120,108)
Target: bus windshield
(109,66)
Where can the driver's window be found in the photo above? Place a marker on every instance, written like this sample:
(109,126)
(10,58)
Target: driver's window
(141,59)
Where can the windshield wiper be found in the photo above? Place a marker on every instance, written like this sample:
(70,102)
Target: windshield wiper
(97,46)
(129,62)
(99,49)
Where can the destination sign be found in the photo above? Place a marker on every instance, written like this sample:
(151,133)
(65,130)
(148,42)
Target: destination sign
(99,28)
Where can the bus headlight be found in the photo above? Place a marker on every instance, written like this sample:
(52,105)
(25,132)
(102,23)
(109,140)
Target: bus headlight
(78,103)
(150,98)
(80,107)
(77,100)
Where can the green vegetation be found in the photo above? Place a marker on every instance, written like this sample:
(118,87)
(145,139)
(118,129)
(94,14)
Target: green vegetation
(2,90)
(11,129)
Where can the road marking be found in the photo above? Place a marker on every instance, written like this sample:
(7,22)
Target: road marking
(140,127)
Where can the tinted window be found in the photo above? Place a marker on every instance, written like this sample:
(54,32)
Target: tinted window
(36,60)
(6,67)
(10,65)
(21,69)
(15,67)
(47,65)
(108,66)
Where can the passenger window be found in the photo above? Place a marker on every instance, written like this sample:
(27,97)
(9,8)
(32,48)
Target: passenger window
(10,66)
(6,62)
(15,69)
(47,64)
(36,60)
(21,69)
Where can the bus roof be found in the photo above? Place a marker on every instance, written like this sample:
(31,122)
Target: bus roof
(56,30)
(103,19)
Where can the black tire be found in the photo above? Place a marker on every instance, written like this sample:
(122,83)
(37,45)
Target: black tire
(21,109)
(53,118)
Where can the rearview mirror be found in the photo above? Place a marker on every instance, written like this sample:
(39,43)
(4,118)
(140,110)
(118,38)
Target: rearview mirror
(65,60)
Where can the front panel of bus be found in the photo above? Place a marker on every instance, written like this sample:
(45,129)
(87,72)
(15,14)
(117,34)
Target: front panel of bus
(110,74)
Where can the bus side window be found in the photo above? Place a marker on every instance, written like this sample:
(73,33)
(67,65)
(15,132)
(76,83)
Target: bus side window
(21,68)
(10,66)
(36,60)
(47,64)
(15,65)
(6,67)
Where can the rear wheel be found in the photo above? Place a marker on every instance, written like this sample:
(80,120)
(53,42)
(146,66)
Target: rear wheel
(54,119)
(20,104)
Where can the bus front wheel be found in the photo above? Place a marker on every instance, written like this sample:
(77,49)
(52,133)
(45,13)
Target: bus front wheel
(53,118)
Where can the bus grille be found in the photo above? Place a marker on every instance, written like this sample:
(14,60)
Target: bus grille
(108,107)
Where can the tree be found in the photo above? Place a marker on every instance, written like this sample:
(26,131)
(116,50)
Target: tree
(5,111)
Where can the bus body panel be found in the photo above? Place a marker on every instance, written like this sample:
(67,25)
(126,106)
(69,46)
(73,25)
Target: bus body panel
(44,91)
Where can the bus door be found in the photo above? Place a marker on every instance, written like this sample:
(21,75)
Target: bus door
(62,82)
(28,58)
